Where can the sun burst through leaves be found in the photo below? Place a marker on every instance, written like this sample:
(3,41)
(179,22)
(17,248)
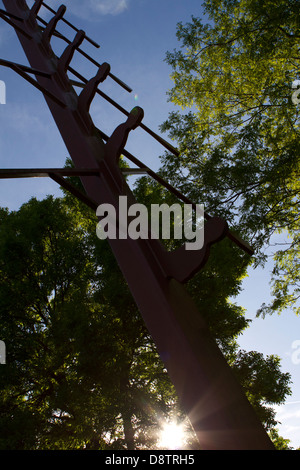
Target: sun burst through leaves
(171,436)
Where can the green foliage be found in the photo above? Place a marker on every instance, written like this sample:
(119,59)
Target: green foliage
(74,338)
(279,442)
(263,381)
(239,132)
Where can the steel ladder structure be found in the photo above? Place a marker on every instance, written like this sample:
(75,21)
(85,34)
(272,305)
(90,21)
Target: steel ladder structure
(209,393)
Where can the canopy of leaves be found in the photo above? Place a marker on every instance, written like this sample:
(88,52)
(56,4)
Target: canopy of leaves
(79,359)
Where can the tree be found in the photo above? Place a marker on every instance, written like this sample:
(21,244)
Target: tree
(239,132)
(44,315)
(279,442)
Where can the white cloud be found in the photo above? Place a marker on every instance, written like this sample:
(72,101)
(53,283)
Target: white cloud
(288,415)
(91,8)
(108,7)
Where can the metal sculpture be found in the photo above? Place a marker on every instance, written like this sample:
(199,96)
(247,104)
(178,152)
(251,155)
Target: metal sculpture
(212,398)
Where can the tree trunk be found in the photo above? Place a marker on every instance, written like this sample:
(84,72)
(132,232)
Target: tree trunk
(128,431)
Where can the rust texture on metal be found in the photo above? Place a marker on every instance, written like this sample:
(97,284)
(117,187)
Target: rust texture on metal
(210,394)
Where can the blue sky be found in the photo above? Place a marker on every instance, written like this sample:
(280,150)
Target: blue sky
(134,36)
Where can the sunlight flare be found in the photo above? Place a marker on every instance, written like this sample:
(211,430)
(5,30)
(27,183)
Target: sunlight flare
(171,436)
